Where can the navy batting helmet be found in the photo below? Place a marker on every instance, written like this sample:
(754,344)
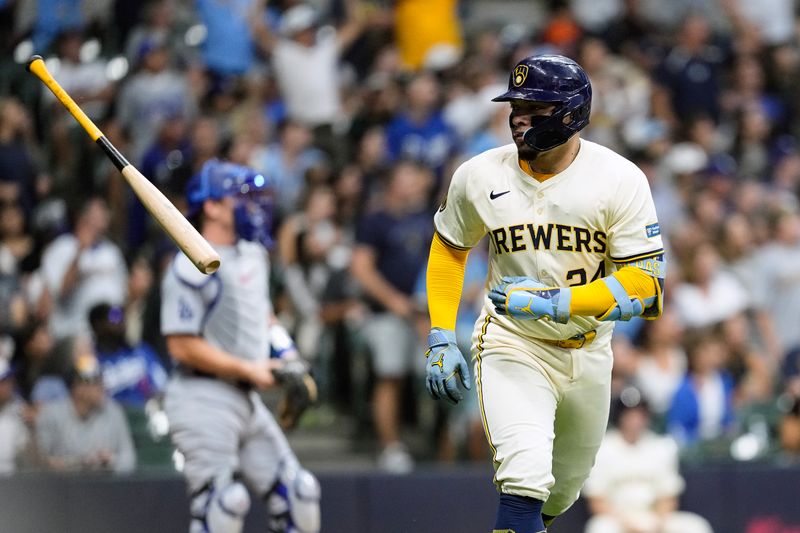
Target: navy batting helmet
(552,79)
(252,191)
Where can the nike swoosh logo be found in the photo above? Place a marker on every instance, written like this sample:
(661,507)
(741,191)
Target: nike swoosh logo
(493,196)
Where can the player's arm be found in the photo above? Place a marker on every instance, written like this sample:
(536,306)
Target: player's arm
(458,228)
(632,290)
(629,292)
(196,352)
(444,282)
(186,299)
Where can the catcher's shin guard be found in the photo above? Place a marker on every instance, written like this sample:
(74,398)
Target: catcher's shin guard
(220,508)
(293,503)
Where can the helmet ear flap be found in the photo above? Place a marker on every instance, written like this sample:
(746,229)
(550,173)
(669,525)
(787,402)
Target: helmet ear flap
(581,113)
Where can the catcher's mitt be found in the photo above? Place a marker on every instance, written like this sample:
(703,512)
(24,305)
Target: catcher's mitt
(299,392)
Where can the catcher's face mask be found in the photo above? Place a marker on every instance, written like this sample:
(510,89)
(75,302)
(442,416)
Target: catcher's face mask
(252,193)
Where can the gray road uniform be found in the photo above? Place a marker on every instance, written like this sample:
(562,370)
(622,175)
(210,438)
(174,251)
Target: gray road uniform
(222,428)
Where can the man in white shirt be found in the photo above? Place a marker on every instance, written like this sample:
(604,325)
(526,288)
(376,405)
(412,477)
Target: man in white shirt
(635,484)
(305,59)
(82,269)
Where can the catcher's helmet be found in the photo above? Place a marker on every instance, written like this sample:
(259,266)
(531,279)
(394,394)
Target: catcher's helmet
(553,79)
(252,190)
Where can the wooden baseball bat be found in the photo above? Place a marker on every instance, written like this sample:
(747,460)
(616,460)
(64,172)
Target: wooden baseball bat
(196,248)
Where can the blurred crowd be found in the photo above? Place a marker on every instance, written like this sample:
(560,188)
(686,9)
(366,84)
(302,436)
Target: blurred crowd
(359,111)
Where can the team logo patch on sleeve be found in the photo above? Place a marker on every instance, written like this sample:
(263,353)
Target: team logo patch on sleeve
(653,230)
(184,312)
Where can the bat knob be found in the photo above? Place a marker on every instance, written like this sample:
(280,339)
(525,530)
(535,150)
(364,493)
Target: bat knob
(31,60)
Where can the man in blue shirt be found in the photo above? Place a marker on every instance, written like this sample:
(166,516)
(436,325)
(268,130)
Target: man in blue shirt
(419,132)
(390,251)
(228,47)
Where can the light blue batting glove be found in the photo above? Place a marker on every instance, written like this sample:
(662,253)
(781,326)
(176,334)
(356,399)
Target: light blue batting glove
(445,366)
(527,298)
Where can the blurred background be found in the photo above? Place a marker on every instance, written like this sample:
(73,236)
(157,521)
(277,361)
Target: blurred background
(359,111)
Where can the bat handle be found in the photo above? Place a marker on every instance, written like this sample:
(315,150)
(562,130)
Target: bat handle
(37,66)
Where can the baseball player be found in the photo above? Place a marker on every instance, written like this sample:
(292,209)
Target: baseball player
(574,245)
(221,331)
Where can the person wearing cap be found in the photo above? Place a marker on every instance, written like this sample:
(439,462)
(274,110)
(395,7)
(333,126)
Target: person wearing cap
(305,58)
(131,374)
(635,483)
(87,431)
(14,436)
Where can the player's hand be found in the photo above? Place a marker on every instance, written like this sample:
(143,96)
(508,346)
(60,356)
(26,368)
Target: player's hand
(527,298)
(445,366)
(259,373)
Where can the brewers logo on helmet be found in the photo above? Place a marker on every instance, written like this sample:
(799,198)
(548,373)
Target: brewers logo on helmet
(520,75)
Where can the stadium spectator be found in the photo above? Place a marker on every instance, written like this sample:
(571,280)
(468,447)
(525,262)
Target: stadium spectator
(17,142)
(14,435)
(160,21)
(83,78)
(635,483)
(419,132)
(691,69)
(19,248)
(38,368)
(15,246)
(140,285)
(702,407)
(750,369)
(661,365)
(287,162)
(131,374)
(621,92)
(752,147)
(779,276)
(470,107)
(83,268)
(391,249)
(305,59)
(742,258)
(155,91)
(87,431)
(312,253)
(708,294)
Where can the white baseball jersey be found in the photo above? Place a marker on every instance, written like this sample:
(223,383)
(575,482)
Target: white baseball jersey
(230,308)
(578,226)
(633,477)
